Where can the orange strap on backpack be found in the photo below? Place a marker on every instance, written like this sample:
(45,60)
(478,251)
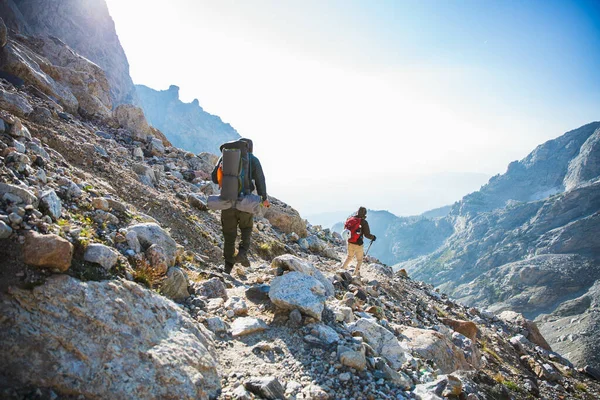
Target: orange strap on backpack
(220,176)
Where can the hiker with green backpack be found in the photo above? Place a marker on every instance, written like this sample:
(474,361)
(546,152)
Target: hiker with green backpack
(238,173)
(356,228)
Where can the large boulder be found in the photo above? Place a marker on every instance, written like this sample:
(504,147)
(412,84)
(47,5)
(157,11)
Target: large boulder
(150,233)
(293,263)
(133,119)
(285,218)
(91,339)
(47,251)
(15,103)
(19,60)
(530,329)
(296,290)
(83,78)
(17,193)
(381,340)
(432,345)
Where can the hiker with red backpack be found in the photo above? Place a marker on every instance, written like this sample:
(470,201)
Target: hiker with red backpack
(358,228)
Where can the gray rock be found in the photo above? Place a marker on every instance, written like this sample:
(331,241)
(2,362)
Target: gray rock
(212,289)
(293,263)
(295,290)
(237,305)
(19,146)
(247,325)
(5,230)
(15,103)
(432,345)
(397,377)
(156,147)
(26,196)
(145,173)
(240,393)
(216,325)
(38,150)
(138,153)
(381,340)
(150,233)
(175,286)
(133,242)
(295,318)
(110,328)
(51,204)
(98,253)
(266,387)
(325,333)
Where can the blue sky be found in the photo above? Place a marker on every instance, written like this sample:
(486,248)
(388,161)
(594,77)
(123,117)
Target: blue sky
(433,96)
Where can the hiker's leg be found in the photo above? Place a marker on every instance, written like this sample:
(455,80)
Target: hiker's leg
(246,221)
(229,224)
(351,254)
(348,257)
(359,251)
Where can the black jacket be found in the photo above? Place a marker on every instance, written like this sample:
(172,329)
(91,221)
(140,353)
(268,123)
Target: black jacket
(257,177)
(364,231)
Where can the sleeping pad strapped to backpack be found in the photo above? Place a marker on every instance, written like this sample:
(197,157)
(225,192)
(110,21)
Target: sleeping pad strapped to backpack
(234,175)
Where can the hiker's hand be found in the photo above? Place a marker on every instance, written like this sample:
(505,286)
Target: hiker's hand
(266,204)
(374,238)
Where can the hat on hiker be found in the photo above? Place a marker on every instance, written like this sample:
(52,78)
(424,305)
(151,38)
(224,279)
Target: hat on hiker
(362,212)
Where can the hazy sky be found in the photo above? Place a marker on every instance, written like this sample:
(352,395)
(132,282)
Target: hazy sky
(397,105)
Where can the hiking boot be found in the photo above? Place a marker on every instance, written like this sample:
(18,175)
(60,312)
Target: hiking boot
(228,268)
(242,258)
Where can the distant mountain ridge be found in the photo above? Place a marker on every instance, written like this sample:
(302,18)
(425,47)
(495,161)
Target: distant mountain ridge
(186,125)
(528,241)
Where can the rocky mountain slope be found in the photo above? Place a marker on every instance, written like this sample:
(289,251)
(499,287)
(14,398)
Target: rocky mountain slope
(84,26)
(111,284)
(186,125)
(527,241)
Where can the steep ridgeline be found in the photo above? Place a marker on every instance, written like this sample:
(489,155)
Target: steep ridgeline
(85,26)
(111,284)
(186,125)
(529,241)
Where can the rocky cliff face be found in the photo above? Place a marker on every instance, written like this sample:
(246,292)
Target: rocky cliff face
(85,26)
(111,287)
(527,241)
(186,125)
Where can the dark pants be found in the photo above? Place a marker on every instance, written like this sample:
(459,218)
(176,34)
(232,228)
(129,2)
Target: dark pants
(230,219)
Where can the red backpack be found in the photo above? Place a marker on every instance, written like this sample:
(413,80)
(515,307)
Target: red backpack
(353,225)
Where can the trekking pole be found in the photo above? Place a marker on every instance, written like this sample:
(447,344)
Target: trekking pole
(368,248)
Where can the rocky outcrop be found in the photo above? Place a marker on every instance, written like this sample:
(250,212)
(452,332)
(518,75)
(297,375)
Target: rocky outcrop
(86,27)
(186,125)
(134,342)
(285,218)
